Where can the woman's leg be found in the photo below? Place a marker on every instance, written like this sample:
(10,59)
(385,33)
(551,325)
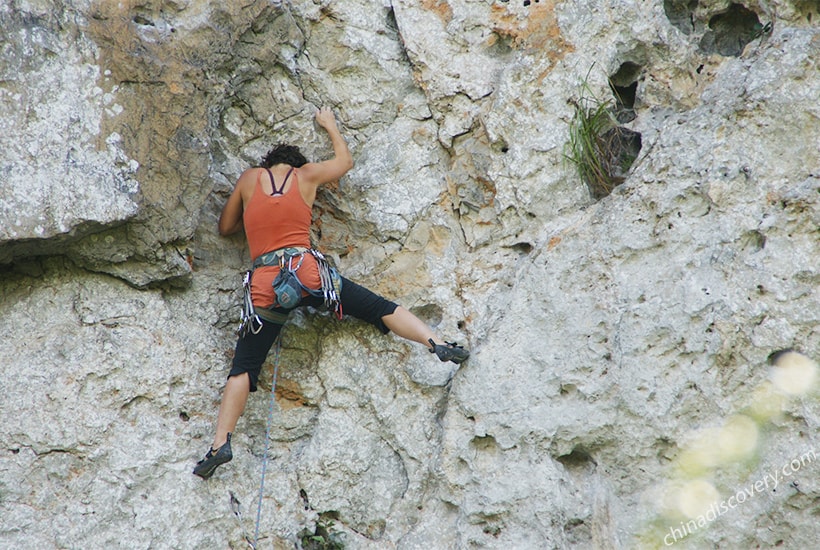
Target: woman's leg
(251,352)
(408,326)
(385,315)
(234,399)
(388,316)
(403,323)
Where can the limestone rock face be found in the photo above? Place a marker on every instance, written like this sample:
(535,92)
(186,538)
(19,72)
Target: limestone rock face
(630,383)
(61,176)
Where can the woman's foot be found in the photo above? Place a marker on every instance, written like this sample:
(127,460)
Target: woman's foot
(449,351)
(205,467)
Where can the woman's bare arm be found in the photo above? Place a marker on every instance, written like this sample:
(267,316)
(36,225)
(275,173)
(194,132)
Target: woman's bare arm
(317,173)
(230,221)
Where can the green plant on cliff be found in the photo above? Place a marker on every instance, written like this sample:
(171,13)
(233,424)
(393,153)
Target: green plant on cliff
(323,537)
(597,146)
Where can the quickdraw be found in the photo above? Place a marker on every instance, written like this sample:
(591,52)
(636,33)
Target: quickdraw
(249,321)
(331,283)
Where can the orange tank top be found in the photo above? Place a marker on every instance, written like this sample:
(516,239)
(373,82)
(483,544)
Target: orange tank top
(274,222)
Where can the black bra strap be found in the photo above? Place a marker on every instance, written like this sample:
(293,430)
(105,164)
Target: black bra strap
(287,176)
(281,190)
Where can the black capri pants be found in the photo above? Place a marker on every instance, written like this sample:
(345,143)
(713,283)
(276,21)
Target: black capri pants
(357,301)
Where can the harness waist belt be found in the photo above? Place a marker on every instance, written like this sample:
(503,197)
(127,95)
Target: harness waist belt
(274,257)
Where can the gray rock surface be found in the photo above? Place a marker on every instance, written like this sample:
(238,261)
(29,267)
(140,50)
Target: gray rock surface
(624,373)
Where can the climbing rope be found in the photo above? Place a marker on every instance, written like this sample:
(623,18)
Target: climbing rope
(276,350)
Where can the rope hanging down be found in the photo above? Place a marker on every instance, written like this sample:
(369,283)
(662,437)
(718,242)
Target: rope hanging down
(276,350)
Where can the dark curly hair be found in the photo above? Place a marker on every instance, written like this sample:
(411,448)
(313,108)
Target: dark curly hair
(284,154)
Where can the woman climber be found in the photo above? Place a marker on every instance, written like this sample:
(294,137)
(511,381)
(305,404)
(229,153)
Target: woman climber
(273,205)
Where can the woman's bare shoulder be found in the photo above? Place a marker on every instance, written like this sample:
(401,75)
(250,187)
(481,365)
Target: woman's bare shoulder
(247,181)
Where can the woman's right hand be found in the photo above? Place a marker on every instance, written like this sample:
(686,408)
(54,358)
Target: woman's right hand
(326,119)
(314,174)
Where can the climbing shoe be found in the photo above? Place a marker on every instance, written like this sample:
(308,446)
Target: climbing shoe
(449,351)
(205,467)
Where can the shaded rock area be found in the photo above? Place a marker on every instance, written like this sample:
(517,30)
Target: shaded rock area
(639,357)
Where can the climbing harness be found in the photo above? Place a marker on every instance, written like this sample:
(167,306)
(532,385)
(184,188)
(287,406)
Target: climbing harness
(287,286)
(276,257)
(277,349)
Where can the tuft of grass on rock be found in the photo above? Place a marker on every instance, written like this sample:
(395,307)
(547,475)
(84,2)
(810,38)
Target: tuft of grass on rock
(601,151)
